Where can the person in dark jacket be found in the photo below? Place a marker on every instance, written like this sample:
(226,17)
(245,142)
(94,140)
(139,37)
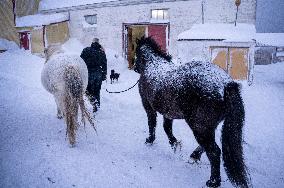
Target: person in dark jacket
(95,59)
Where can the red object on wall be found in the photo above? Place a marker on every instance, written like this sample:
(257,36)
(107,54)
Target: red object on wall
(158,33)
(24,40)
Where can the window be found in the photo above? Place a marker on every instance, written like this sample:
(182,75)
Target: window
(91,19)
(160,14)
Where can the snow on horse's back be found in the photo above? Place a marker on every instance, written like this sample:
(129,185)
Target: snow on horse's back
(66,78)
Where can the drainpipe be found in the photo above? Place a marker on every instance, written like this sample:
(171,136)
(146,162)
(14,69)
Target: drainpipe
(14,11)
(43,37)
(202,10)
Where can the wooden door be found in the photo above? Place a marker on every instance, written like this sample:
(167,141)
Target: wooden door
(233,60)
(220,57)
(159,34)
(129,48)
(238,66)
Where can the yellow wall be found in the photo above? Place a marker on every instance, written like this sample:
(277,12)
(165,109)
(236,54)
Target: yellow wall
(23,8)
(57,33)
(7,29)
(37,41)
(26,7)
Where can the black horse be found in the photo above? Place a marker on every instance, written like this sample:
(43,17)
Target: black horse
(203,95)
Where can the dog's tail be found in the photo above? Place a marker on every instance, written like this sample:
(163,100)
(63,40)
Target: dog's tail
(73,99)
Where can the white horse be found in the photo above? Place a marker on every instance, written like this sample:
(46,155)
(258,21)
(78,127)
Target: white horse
(66,77)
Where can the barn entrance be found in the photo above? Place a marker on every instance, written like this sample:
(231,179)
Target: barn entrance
(25,40)
(159,32)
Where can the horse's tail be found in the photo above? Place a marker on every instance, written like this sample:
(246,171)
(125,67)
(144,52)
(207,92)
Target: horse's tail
(73,99)
(232,137)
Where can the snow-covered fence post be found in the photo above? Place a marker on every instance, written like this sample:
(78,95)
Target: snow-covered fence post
(237,3)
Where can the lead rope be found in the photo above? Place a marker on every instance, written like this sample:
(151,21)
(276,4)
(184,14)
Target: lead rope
(123,90)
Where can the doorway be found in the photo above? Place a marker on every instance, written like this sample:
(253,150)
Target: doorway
(25,40)
(132,32)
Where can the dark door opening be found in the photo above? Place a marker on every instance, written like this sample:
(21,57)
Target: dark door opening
(25,40)
(159,32)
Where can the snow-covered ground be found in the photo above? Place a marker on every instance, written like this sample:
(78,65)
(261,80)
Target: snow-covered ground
(34,151)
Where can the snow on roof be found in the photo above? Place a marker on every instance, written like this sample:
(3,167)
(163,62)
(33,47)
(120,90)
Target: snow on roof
(7,45)
(40,19)
(229,32)
(270,39)
(54,4)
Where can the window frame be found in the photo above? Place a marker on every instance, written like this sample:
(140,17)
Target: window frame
(89,16)
(157,16)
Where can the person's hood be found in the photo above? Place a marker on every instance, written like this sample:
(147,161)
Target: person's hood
(96,45)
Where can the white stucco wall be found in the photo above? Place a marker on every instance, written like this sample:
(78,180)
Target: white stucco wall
(183,14)
(110,21)
(197,50)
(224,11)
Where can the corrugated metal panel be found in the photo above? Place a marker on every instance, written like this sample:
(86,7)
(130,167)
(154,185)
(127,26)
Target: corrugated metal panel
(7,29)
(26,7)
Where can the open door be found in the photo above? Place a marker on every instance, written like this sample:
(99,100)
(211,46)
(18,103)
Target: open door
(159,34)
(25,40)
(134,32)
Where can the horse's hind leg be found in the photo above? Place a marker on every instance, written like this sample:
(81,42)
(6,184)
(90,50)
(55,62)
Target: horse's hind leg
(59,112)
(206,139)
(196,154)
(168,127)
(152,121)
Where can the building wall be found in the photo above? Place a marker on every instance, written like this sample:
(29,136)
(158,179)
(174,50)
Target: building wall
(7,29)
(37,43)
(26,7)
(183,14)
(23,8)
(265,55)
(224,11)
(57,33)
(201,51)
(110,21)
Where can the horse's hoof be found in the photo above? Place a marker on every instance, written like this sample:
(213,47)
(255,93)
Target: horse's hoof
(195,156)
(176,146)
(213,182)
(193,161)
(149,140)
(59,116)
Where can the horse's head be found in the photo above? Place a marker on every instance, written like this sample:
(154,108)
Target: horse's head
(146,49)
(51,50)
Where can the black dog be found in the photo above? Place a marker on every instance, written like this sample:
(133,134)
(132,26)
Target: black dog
(113,76)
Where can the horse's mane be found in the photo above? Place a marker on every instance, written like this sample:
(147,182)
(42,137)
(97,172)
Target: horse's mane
(150,42)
